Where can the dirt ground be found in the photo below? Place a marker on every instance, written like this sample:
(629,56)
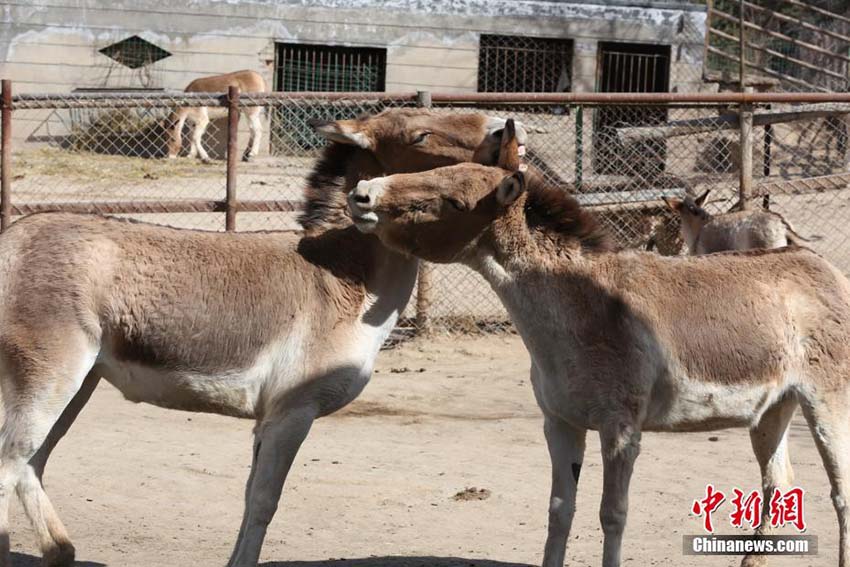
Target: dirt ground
(375,485)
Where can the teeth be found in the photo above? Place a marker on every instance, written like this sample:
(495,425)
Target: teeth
(366,217)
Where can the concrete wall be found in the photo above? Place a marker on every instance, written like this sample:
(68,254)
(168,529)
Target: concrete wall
(51,46)
(54,48)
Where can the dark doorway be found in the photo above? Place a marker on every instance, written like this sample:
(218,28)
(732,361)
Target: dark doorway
(630,68)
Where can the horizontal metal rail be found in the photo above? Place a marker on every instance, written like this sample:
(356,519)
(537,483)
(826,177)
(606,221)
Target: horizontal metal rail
(112,100)
(152,207)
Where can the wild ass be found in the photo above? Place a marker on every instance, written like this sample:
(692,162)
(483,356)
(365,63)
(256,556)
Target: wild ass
(255,325)
(739,230)
(623,342)
(248,82)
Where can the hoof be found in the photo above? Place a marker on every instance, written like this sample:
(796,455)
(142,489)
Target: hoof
(60,556)
(754,561)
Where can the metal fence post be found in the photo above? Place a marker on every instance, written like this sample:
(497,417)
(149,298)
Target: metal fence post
(742,64)
(746,143)
(423,282)
(230,205)
(6,157)
(579,174)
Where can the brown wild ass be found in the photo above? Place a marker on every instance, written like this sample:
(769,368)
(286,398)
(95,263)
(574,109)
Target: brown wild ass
(624,342)
(248,82)
(705,233)
(256,325)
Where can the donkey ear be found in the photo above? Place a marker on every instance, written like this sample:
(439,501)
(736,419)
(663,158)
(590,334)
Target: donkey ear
(701,199)
(510,189)
(509,147)
(673,203)
(342,131)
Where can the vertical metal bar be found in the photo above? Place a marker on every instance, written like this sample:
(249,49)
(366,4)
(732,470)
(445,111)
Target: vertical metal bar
(768,147)
(232,149)
(424,286)
(579,174)
(746,142)
(709,4)
(6,159)
(742,64)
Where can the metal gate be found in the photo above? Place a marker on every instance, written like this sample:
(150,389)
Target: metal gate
(630,68)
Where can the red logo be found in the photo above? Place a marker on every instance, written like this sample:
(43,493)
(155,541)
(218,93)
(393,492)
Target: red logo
(747,510)
(706,507)
(785,508)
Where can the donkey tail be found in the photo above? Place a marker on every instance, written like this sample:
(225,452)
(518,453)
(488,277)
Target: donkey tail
(791,235)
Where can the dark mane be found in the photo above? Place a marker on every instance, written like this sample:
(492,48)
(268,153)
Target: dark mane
(552,209)
(324,196)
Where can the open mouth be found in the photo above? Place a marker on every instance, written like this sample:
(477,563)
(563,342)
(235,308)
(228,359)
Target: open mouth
(365,222)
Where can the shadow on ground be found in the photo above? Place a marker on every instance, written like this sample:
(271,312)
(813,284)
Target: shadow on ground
(397,561)
(24,560)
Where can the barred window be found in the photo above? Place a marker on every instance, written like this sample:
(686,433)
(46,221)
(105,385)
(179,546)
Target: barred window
(508,63)
(304,67)
(325,68)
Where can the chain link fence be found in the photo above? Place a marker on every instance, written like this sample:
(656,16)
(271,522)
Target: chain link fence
(108,154)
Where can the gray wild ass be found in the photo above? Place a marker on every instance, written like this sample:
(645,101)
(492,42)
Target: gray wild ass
(705,233)
(623,342)
(248,82)
(255,325)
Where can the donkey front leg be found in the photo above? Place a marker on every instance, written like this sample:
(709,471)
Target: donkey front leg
(566,450)
(276,442)
(620,448)
(256,128)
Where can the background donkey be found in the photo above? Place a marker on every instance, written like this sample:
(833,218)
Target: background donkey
(705,233)
(623,342)
(248,82)
(257,325)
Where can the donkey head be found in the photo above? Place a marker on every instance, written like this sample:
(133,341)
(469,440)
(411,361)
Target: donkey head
(410,140)
(394,141)
(693,215)
(437,214)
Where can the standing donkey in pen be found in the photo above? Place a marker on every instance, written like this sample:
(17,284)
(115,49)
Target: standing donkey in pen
(624,342)
(248,82)
(257,325)
(705,233)
(748,229)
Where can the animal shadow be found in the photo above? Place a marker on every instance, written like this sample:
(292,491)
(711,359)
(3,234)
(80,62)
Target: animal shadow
(397,561)
(24,560)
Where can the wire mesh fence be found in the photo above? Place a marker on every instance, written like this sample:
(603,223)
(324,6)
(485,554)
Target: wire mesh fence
(108,154)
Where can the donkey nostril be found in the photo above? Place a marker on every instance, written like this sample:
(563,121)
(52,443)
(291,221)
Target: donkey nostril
(362,199)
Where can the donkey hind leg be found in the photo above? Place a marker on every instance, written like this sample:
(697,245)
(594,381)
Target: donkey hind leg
(770,445)
(255,123)
(566,450)
(620,448)
(52,538)
(830,426)
(30,417)
(175,144)
(202,120)
(277,440)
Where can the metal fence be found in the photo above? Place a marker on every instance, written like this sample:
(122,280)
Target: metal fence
(618,153)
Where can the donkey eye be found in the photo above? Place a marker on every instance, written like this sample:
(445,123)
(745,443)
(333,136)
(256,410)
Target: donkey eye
(457,204)
(421,137)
